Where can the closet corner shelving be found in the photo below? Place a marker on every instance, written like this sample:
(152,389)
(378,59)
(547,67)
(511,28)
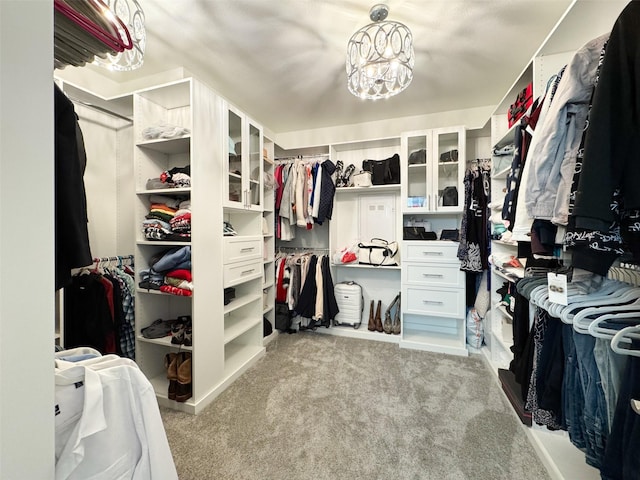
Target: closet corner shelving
(360,214)
(582,22)
(226,340)
(433,286)
(268,234)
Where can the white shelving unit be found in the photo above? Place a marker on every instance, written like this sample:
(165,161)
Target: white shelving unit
(582,22)
(268,235)
(226,340)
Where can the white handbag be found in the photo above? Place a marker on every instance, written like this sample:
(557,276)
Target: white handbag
(378,252)
(362,179)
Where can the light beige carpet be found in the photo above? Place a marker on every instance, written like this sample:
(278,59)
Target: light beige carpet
(325,407)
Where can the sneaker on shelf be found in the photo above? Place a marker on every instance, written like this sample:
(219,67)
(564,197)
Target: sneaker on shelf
(228,229)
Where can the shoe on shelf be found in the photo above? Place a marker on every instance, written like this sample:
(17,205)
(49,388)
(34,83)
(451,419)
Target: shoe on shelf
(184,386)
(378,318)
(395,328)
(371,326)
(171,364)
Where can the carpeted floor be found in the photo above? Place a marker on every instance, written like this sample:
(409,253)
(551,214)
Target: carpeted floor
(325,407)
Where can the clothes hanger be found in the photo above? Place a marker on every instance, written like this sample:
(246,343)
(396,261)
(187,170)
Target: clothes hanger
(582,319)
(595,329)
(610,296)
(622,341)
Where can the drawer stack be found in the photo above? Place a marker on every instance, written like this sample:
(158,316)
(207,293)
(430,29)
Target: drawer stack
(433,298)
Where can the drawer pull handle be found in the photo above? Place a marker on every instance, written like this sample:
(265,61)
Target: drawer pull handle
(432,275)
(247,249)
(432,302)
(432,253)
(247,272)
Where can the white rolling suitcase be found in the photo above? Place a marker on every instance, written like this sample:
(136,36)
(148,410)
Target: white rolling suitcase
(350,303)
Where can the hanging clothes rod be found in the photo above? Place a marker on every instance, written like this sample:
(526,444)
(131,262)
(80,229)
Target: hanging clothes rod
(100,109)
(300,157)
(304,249)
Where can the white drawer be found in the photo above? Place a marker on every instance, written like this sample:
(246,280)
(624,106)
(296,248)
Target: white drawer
(434,274)
(435,251)
(429,301)
(237,249)
(240,272)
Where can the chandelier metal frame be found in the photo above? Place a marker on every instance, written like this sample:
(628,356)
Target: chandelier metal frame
(380,57)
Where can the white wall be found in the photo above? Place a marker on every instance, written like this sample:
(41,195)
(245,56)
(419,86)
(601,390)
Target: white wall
(108,181)
(393,127)
(26,240)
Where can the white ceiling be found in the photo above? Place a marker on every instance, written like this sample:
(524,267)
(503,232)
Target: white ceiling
(283,61)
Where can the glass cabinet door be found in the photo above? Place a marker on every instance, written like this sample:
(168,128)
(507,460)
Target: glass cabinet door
(448,169)
(235,190)
(255,166)
(417,175)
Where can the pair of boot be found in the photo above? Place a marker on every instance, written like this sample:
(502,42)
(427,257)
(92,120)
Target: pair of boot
(390,325)
(178,367)
(375,320)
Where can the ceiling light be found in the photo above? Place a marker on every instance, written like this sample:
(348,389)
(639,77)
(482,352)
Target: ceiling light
(131,14)
(380,57)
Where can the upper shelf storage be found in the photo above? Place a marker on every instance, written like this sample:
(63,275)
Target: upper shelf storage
(164,117)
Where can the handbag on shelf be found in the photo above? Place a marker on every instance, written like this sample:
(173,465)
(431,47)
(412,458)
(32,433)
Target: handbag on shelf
(450,234)
(417,233)
(450,197)
(418,157)
(378,252)
(383,172)
(450,156)
(362,179)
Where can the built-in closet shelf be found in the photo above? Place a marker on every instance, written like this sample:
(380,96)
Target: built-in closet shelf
(239,326)
(361,333)
(267,210)
(168,145)
(507,137)
(158,292)
(357,265)
(267,235)
(268,160)
(237,358)
(268,284)
(371,189)
(240,302)
(427,211)
(442,164)
(506,244)
(165,341)
(163,243)
(417,165)
(433,342)
(166,191)
(267,310)
(160,385)
(269,260)
(518,272)
(235,175)
(503,310)
(502,174)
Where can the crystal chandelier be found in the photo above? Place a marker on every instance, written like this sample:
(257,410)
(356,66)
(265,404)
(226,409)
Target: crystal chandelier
(131,14)
(380,57)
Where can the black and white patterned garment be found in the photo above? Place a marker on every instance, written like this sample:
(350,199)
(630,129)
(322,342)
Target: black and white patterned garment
(626,223)
(539,415)
(473,250)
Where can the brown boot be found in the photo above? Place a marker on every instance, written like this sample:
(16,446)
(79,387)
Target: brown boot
(378,317)
(184,387)
(171,364)
(372,324)
(396,321)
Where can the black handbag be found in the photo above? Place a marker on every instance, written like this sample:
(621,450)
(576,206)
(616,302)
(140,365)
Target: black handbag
(417,233)
(450,234)
(418,157)
(450,197)
(383,172)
